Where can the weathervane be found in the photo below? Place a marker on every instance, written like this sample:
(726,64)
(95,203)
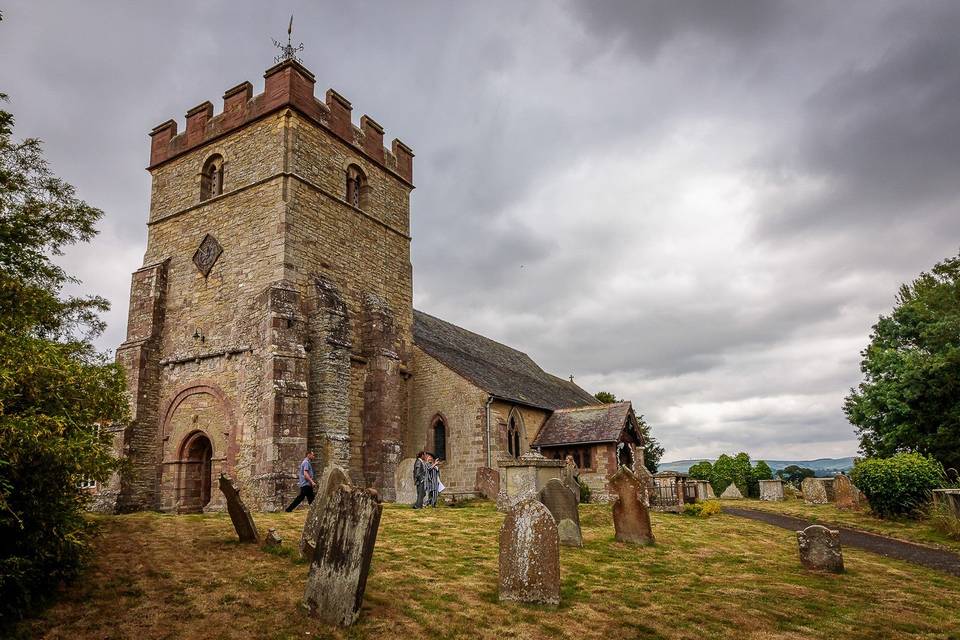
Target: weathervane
(288,51)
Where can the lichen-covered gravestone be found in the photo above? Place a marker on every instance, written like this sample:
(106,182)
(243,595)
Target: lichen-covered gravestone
(631,517)
(488,482)
(815,491)
(330,481)
(731,493)
(529,555)
(557,497)
(273,539)
(846,496)
(820,549)
(344,548)
(406,487)
(239,513)
(771,490)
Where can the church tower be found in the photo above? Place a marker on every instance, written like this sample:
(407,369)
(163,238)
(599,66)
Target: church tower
(273,311)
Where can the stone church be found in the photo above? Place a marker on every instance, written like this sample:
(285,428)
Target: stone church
(274,315)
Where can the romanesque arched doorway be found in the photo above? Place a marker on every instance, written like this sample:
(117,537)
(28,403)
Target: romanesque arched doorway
(196,467)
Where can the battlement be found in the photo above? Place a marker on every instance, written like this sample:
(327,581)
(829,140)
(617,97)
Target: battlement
(288,84)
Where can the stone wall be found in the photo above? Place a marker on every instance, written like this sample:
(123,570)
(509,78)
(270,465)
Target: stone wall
(438,391)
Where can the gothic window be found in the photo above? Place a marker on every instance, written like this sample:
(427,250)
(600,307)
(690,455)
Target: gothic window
(211,178)
(440,439)
(513,438)
(356,187)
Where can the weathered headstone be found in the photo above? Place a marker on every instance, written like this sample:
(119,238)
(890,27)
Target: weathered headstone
(344,548)
(330,481)
(731,492)
(273,539)
(815,491)
(488,482)
(560,501)
(710,494)
(569,532)
(820,549)
(529,555)
(631,517)
(771,490)
(791,492)
(846,496)
(239,513)
(406,487)
(569,476)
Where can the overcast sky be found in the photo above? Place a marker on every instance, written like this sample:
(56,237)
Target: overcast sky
(699,206)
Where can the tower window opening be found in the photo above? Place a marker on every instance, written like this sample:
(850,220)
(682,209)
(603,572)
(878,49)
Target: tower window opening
(211,178)
(356,187)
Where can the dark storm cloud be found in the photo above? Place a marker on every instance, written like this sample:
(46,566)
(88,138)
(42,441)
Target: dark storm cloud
(701,206)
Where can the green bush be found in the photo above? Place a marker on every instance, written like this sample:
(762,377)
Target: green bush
(899,485)
(702,509)
(584,491)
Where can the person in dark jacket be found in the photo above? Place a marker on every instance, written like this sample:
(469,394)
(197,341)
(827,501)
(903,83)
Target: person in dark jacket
(420,479)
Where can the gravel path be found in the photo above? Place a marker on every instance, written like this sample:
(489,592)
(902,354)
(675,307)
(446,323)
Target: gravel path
(937,559)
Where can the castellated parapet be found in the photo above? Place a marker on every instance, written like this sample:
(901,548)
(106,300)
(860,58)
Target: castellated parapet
(288,84)
(273,312)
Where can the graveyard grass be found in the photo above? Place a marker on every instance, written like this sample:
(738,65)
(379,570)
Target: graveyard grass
(919,531)
(434,574)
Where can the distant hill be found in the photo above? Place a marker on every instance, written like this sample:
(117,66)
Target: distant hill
(822,466)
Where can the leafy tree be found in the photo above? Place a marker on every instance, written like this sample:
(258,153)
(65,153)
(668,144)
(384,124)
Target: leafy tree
(652,451)
(899,485)
(54,388)
(795,474)
(605,397)
(701,470)
(909,400)
(722,473)
(762,471)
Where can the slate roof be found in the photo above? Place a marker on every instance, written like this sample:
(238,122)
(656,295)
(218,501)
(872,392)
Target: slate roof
(496,368)
(601,423)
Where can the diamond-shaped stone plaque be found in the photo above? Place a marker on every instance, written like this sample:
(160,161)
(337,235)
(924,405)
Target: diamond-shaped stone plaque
(207,254)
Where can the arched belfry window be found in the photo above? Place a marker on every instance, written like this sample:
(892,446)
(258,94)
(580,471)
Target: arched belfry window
(513,437)
(356,187)
(439,438)
(211,178)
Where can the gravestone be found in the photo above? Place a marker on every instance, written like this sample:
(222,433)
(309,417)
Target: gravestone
(488,482)
(273,539)
(820,549)
(330,481)
(529,555)
(631,517)
(239,513)
(731,493)
(846,496)
(569,477)
(569,532)
(406,487)
(771,490)
(791,492)
(562,505)
(344,548)
(815,490)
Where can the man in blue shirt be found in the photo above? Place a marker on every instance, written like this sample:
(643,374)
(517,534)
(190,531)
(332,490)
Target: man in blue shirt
(305,480)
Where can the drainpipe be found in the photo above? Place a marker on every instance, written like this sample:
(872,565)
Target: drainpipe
(487,408)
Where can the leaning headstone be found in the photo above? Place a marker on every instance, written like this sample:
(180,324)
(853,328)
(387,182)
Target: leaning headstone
(330,481)
(406,487)
(488,482)
(344,548)
(529,555)
(731,493)
(846,496)
(273,539)
(560,501)
(771,490)
(814,491)
(239,514)
(631,517)
(820,549)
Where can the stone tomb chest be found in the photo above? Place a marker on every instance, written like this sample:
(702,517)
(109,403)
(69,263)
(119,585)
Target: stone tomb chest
(525,476)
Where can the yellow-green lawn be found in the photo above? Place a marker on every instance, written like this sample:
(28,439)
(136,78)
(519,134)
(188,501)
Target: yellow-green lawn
(434,574)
